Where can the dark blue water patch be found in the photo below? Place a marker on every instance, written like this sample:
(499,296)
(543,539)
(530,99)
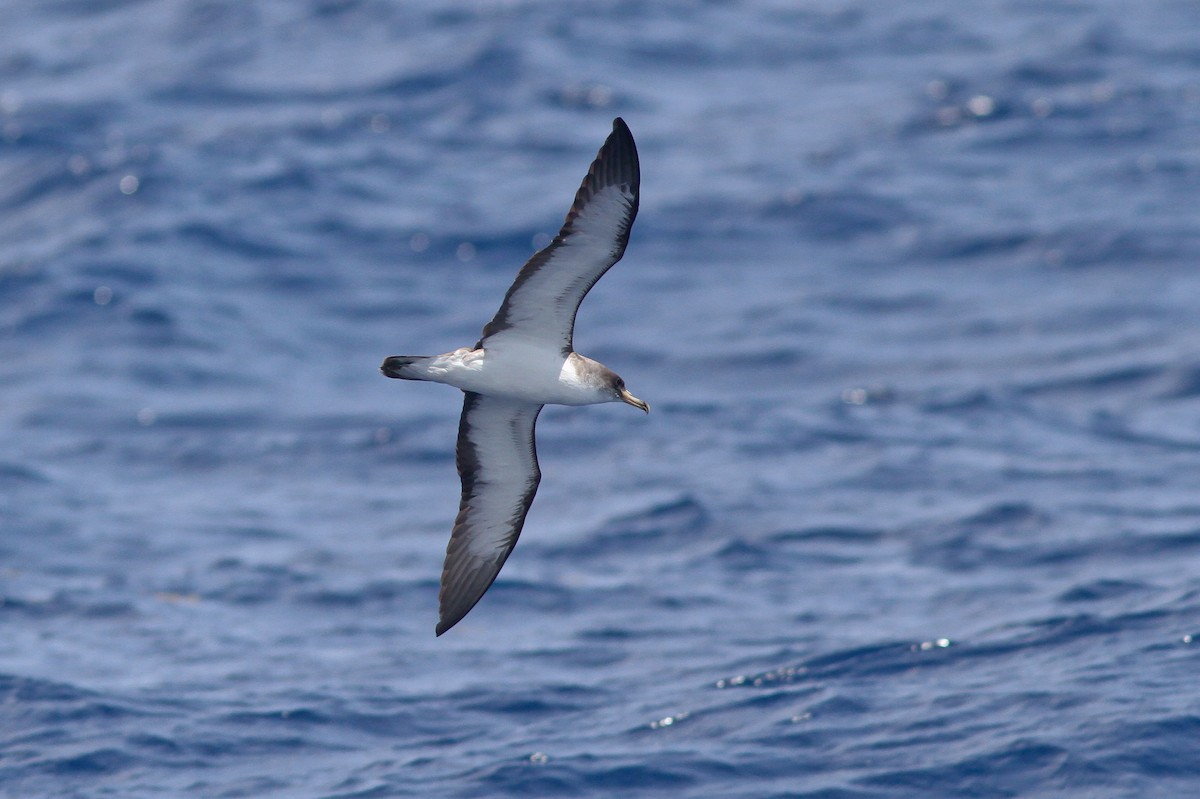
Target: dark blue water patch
(1059,631)
(582,775)
(1119,247)
(840,215)
(531,704)
(299,717)
(855,662)
(408,453)
(238,735)
(1158,748)
(106,760)
(182,374)
(1010,535)
(153,326)
(282,280)
(956,247)
(231,238)
(827,793)
(385,722)
(120,274)
(882,660)
(205,89)
(1115,427)
(22,284)
(530,779)
(955,401)
(767,436)
(285,176)
(74,307)
(1184,382)
(1104,589)
(769,360)
(963,551)
(490,65)
(13,474)
(929,35)
(109,609)
(1132,376)
(1004,515)
(65,604)
(165,751)
(788,37)
(679,521)
(216,421)
(15,688)
(780,552)
(1011,770)
(376,593)
(56,130)
(1047,73)
(1150,545)
(80,732)
(1054,119)
(320,722)
(883,305)
(781,700)
(740,556)
(37,181)
(858,536)
(237,583)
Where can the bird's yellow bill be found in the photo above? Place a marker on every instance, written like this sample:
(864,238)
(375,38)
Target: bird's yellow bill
(634,401)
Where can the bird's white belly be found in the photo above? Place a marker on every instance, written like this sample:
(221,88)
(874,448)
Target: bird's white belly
(519,372)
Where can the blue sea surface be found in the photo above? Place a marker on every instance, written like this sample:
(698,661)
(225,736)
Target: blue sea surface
(914,294)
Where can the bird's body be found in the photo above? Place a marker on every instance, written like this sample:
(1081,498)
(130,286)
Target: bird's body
(519,370)
(525,360)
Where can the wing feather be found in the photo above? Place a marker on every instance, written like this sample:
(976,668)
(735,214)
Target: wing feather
(497,462)
(543,300)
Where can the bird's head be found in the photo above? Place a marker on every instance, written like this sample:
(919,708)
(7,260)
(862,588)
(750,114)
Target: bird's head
(621,394)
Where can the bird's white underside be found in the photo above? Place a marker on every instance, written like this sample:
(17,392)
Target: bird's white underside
(516,368)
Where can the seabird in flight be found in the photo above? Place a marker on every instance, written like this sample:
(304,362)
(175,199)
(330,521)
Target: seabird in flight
(524,360)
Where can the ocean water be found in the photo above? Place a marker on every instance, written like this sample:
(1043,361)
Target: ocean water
(913,294)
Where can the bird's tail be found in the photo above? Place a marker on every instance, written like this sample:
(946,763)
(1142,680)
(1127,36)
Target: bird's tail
(405,367)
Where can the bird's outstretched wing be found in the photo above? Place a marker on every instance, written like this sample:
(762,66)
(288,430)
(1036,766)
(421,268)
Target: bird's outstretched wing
(498,465)
(543,300)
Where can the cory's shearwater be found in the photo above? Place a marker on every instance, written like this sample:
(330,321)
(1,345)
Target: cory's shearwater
(524,360)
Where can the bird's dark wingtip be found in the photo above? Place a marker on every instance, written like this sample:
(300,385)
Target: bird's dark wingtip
(615,164)
(445,624)
(622,131)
